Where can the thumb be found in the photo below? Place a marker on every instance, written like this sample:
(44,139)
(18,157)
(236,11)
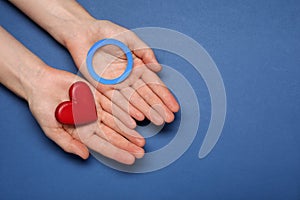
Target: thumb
(144,52)
(68,143)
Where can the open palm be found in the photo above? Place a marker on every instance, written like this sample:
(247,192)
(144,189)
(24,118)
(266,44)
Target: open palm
(142,94)
(107,135)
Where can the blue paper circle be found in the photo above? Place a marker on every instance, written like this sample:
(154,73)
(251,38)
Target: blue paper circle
(92,51)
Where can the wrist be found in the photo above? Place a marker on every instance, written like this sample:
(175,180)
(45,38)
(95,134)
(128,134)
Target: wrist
(61,19)
(19,68)
(71,30)
(66,20)
(32,80)
(85,32)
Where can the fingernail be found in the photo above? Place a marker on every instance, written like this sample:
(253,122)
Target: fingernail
(175,107)
(128,160)
(82,154)
(142,142)
(139,153)
(170,118)
(140,116)
(157,120)
(131,123)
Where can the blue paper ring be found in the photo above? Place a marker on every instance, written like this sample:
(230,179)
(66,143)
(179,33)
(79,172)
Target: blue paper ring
(92,51)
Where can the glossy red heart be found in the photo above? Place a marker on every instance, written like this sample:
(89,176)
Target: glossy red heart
(81,108)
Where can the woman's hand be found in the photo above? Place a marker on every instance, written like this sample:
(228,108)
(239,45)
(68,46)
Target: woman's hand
(142,93)
(107,136)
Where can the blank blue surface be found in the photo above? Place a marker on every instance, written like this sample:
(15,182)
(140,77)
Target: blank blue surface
(256,46)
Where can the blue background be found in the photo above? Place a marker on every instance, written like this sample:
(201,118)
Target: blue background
(255,44)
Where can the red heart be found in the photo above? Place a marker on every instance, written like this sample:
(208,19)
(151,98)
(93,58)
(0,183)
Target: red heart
(80,109)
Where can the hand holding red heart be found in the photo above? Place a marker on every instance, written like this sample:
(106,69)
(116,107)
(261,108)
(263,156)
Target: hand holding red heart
(105,133)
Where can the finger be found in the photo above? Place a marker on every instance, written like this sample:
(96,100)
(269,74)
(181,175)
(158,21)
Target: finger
(143,51)
(135,99)
(153,100)
(119,127)
(116,97)
(119,141)
(108,150)
(115,110)
(148,57)
(159,88)
(68,143)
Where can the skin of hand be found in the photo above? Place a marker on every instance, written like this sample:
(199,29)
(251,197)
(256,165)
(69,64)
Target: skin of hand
(143,93)
(108,136)
(31,79)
